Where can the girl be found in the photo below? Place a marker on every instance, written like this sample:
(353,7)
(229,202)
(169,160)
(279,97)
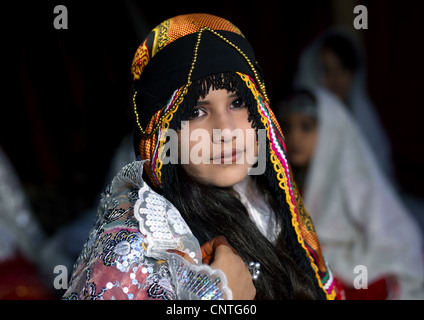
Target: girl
(196,217)
(359,218)
(336,61)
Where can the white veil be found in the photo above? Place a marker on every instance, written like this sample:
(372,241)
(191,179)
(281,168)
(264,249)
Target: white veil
(357,214)
(363,110)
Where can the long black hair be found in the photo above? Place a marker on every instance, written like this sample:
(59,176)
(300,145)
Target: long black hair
(211,211)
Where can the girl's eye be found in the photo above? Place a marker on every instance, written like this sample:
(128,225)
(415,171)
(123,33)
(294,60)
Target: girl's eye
(238,103)
(196,113)
(307,126)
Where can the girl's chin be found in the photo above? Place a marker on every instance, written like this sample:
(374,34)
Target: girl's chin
(225,176)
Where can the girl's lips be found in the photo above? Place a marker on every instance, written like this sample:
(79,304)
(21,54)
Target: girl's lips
(228,157)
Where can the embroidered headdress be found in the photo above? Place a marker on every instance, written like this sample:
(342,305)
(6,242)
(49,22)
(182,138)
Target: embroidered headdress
(187,48)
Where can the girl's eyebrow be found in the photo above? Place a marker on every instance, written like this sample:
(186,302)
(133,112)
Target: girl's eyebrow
(202,102)
(205,102)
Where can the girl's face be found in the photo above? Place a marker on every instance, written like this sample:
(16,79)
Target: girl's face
(218,142)
(300,132)
(335,77)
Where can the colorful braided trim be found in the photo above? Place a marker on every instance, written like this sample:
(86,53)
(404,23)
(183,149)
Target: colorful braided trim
(281,167)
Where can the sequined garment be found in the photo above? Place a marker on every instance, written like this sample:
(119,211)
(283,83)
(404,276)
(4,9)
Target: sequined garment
(176,54)
(126,255)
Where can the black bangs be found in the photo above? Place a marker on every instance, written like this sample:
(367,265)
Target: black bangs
(229,81)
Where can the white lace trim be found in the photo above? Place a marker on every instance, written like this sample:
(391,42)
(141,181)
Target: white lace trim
(163,225)
(165,229)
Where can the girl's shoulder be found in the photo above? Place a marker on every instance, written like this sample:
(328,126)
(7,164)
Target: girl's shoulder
(129,244)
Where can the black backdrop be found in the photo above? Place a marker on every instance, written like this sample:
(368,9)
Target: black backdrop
(65,92)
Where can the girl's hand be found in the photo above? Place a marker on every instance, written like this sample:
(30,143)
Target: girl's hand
(221,255)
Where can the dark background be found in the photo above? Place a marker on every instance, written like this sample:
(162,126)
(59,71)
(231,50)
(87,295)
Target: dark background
(65,92)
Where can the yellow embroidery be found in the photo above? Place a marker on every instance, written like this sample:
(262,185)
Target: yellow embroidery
(282,178)
(161,36)
(141,58)
(165,121)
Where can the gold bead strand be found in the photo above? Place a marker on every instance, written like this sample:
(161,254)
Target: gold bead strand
(194,60)
(182,92)
(252,67)
(136,114)
(143,132)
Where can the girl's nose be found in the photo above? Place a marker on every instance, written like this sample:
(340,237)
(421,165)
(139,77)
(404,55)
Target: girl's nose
(224,128)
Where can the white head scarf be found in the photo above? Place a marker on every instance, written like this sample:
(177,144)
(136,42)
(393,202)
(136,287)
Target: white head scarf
(357,214)
(363,110)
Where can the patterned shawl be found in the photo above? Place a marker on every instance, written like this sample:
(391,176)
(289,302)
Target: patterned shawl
(215,45)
